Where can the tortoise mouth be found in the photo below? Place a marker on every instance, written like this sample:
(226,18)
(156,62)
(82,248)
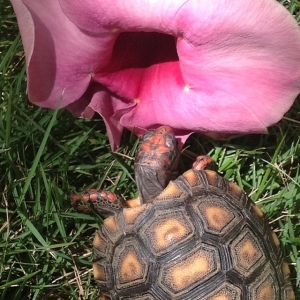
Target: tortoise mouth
(141,50)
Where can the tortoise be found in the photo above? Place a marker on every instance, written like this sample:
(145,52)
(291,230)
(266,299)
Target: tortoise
(197,236)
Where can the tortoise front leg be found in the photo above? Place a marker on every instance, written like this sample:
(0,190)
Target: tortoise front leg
(202,162)
(105,203)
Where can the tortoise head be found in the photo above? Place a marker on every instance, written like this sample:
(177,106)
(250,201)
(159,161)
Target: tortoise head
(156,162)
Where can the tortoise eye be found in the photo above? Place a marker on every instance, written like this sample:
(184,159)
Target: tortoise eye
(171,140)
(148,134)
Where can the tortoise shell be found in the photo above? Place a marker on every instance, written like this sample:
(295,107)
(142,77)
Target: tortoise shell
(197,237)
(201,238)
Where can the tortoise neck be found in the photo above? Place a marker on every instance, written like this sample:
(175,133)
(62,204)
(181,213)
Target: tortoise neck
(151,181)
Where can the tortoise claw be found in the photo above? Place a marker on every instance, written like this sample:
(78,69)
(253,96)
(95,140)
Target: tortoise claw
(105,203)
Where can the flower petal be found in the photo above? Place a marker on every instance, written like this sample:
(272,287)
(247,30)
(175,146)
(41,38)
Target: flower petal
(214,66)
(60,57)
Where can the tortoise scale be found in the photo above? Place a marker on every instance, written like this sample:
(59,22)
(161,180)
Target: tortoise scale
(196,237)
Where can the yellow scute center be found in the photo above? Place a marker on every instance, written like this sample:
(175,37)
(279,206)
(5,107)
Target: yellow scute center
(194,270)
(131,267)
(266,293)
(248,253)
(221,297)
(169,232)
(217,217)
(196,267)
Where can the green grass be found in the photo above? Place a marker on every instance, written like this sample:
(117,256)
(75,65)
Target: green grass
(45,245)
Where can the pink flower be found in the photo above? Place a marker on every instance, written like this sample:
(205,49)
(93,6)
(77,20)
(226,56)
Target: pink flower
(214,66)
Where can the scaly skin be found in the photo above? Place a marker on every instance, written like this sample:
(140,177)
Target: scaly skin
(202,162)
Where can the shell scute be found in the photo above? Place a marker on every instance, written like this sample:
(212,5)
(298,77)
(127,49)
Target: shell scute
(130,265)
(216,215)
(190,270)
(167,230)
(247,253)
